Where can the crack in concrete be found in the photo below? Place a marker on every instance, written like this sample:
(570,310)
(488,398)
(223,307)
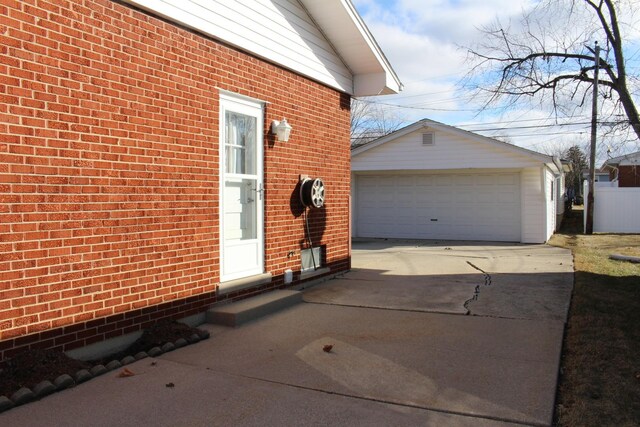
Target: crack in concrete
(374,307)
(476,291)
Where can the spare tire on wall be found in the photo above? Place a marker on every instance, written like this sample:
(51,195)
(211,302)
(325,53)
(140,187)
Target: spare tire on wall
(312,192)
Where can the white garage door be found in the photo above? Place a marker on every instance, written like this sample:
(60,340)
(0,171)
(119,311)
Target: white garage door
(443,206)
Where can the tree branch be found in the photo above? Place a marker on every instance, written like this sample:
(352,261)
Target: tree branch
(537,60)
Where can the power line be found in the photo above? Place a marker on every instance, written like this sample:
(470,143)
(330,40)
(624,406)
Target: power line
(541,134)
(495,129)
(531,127)
(512,121)
(426,109)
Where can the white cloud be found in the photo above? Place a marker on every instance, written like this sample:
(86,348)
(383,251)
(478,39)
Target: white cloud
(448,21)
(422,40)
(418,56)
(457,21)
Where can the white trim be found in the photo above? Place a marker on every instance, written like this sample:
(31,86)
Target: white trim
(252,107)
(239,98)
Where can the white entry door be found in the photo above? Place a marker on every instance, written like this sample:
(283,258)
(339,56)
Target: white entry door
(241,195)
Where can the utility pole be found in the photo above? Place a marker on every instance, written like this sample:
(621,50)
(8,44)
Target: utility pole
(592,157)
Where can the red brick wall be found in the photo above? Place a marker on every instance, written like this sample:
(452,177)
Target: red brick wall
(109,169)
(629,176)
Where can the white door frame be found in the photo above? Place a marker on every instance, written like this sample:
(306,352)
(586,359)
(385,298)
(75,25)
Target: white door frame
(241,258)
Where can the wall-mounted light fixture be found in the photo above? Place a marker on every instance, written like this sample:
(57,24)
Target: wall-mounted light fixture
(282,129)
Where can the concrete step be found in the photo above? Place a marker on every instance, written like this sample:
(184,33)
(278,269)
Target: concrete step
(240,312)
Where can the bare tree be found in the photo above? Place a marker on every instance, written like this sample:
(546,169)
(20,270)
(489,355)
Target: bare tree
(370,121)
(548,57)
(562,147)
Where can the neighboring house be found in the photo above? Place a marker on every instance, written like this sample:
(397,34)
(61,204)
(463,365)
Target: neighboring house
(140,177)
(600,176)
(434,181)
(624,169)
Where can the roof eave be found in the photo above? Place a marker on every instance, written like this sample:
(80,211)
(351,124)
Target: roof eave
(373,76)
(615,161)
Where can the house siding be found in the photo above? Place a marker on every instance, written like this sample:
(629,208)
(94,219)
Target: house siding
(278,30)
(109,171)
(450,151)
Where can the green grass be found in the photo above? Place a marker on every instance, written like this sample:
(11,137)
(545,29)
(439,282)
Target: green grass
(600,371)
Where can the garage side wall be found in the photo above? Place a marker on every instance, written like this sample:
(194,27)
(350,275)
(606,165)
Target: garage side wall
(560,200)
(533,206)
(550,201)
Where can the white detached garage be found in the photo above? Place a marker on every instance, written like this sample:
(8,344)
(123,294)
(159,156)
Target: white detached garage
(434,181)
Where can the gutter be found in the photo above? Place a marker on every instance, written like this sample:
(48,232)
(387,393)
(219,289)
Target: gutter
(558,163)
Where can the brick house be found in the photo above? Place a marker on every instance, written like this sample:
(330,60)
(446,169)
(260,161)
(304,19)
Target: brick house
(624,169)
(140,178)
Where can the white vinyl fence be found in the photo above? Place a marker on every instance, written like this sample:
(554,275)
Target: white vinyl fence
(616,210)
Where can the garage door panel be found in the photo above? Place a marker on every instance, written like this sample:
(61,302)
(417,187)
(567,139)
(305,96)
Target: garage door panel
(442,206)
(462,180)
(405,198)
(424,198)
(485,180)
(508,179)
(424,181)
(376,197)
(405,180)
(380,213)
(505,197)
(442,180)
(443,197)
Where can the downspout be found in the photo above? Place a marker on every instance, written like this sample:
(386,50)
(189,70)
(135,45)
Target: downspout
(616,172)
(558,163)
(615,169)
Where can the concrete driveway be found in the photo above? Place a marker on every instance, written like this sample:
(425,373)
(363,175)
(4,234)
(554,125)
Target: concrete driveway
(423,333)
(499,280)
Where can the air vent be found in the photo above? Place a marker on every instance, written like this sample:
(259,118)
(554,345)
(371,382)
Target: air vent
(311,258)
(428,138)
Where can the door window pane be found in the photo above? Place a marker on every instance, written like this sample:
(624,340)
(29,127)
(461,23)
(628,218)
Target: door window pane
(240,143)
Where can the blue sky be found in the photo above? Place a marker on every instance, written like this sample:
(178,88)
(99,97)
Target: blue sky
(424,40)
